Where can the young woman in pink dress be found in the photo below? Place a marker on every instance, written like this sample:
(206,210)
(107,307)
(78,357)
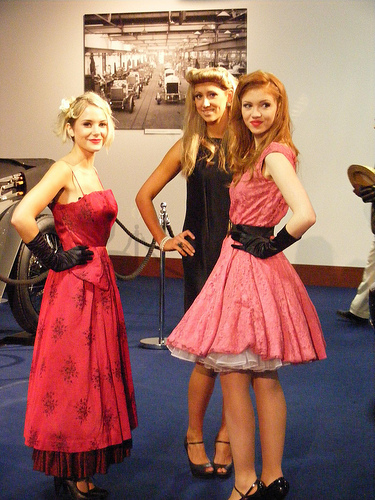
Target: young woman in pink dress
(254,315)
(80,407)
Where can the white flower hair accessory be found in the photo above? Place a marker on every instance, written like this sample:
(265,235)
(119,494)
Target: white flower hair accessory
(65,105)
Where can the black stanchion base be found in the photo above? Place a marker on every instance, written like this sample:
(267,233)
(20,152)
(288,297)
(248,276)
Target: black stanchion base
(152,343)
(21,338)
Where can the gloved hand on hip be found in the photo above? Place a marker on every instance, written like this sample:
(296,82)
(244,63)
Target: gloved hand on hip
(60,260)
(260,246)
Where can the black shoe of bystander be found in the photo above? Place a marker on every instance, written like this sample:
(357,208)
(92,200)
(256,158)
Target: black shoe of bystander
(352,317)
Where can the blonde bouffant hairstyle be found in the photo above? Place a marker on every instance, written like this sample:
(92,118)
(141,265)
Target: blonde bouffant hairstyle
(194,129)
(243,153)
(72,108)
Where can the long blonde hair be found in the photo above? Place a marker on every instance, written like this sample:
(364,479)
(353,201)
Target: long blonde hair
(194,129)
(243,153)
(72,108)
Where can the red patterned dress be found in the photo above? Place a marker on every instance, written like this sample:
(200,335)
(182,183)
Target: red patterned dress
(252,314)
(81,406)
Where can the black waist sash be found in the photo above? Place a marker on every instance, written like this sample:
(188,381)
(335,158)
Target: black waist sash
(266,232)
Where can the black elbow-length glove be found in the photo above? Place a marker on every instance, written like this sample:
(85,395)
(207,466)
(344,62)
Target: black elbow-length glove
(261,246)
(61,260)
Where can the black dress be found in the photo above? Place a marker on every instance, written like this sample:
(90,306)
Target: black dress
(207,216)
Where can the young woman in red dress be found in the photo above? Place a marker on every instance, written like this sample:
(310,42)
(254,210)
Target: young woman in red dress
(81,406)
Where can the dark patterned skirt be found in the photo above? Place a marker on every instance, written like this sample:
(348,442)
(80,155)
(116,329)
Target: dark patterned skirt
(80,465)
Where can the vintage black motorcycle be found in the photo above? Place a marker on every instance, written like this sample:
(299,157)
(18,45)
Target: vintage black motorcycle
(21,274)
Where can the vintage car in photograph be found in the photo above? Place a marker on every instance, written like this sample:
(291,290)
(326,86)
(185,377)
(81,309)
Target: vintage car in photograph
(121,96)
(170,87)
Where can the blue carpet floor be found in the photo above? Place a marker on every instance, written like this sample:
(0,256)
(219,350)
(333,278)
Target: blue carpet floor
(329,452)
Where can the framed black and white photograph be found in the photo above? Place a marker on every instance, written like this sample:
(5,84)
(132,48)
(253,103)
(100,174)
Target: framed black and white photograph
(138,61)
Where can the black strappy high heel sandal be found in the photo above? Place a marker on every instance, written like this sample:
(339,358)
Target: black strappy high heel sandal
(228,467)
(199,470)
(277,490)
(258,495)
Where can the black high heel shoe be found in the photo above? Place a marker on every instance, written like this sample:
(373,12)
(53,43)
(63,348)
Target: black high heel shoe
(199,470)
(96,491)
(58,482)
(228,467)
(258,495)
(277,490)
(71,488)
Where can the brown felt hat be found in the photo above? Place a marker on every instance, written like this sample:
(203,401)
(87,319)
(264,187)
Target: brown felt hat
(360,175)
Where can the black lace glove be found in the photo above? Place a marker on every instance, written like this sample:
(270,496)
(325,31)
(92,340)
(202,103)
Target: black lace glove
(367,193)
(261,246)
(61,260)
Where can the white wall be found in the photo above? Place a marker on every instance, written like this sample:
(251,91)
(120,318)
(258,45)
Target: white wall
(323,51)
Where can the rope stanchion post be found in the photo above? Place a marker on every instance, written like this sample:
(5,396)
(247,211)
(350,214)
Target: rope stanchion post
(159,342)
